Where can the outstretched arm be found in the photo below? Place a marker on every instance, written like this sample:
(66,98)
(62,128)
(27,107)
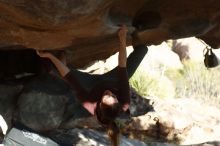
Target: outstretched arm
(61,67)
(124,89)
(122,57)
(72,80)
(65,73)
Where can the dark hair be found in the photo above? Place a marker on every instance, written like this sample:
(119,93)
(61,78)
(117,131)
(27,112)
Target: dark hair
(106,116)
(113,133)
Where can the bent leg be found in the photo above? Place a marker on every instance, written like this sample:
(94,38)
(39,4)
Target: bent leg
(133,62)
(135,58)
(87,80)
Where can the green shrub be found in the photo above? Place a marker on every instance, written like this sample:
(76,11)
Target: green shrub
(149,85)
(196,81)
(141,82)
(193,81)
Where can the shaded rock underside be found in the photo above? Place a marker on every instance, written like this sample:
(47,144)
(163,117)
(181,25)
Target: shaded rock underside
(87,29)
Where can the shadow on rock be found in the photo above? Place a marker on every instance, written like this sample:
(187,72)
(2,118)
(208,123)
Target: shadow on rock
(148,128)
(139,105)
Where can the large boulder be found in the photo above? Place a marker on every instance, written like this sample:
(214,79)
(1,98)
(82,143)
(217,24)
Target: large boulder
(8,99)
(87,29)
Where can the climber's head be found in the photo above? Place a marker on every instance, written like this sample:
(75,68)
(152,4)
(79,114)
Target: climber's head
(107,111)
(109,107)
(109,98)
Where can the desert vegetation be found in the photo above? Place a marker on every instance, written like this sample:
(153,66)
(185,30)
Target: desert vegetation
(194,80)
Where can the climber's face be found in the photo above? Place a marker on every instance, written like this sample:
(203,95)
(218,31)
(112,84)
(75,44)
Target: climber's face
(109,107)
(109,98)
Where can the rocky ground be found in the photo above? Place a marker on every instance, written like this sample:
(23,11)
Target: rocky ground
(182,121)
(94,138)
(179,121)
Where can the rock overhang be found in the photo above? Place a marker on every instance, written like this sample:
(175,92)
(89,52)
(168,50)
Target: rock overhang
(87,30)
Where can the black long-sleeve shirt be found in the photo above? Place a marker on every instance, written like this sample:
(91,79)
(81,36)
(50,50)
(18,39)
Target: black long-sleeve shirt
(90,98)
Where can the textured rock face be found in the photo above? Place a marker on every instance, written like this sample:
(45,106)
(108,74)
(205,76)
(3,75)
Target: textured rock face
(87,29)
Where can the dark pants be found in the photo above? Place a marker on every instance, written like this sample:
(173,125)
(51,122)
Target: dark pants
(88,81)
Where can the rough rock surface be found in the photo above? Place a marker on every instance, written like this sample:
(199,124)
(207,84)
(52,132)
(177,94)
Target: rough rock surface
(86,137)
(86,29)
(180,121)
(184,121)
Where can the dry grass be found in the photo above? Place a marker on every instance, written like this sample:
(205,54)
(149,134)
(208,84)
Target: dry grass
(196,81)
(193,81)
